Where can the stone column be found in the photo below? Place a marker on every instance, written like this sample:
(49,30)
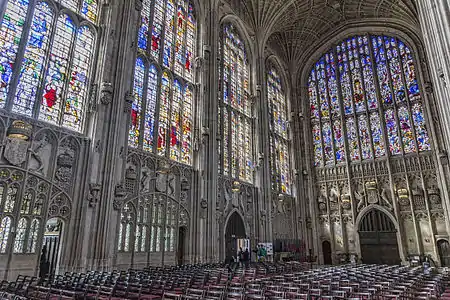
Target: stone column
(110,131)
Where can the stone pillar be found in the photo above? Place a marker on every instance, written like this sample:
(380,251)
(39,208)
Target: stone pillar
(110,131)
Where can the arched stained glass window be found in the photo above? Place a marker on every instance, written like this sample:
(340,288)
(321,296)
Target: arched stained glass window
(236,147)
(280,160)
(19,242)
(5,228)
(368,84)
(49,78)
(33,236)
(163,108)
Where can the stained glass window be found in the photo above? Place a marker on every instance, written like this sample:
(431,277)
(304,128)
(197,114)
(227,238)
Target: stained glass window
(163,93)
(278,126)
(54,65)
(20,235)
(5,227)
(381,105)
(237,128)
(33,236)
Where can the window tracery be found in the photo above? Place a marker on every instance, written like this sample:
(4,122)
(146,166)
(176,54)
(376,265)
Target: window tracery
(278,125)
(163,107)
(235,111)
(365,82)
(49,78)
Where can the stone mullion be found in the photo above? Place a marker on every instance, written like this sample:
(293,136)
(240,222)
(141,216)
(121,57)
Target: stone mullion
(221,106)
(394,104)
(408,101)
(3,6)
(363,87)
(143,105)
(327,96)
(9,102)
(417,233)
(354,114)
(319,121)
(347,158)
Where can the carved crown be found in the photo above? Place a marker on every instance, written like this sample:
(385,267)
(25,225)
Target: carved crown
(20,130)
(65,160)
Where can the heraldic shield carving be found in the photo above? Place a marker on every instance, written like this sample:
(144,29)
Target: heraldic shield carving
(16,151)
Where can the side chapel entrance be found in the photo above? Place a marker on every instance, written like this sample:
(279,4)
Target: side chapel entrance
(234,230)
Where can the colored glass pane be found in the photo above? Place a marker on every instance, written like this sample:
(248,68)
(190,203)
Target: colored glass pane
(150,110)
(395,69)
(339,149)
(79,80)
(423,141)
(382,70)
(164,105)
(377,135)
(169,34)
(11,30)
(187,126)
(33,236)
(367,70)
(157,26)
(392,132)
(344,70)
(31,71)
(355,68)
(190,43)
(226,143)
(406,130)
(235,143)
(175,127)
(352,137)
(332,84)
(89,10)
(277,103)
(323,91)
(364,137)
(5,228)
(57,70)
(19,239)
(136,106)
(328,143)
(313,96)
(144,28)
(180,37)
(409,71)
(317,140)
(71,4)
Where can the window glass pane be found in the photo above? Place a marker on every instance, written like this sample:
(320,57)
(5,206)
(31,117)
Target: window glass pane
(5,227)
(20,236)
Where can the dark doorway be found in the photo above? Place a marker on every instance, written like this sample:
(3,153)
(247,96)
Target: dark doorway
(234,230)
(326,250)
(50,253)
(444,252)
(181,245)
(378,239)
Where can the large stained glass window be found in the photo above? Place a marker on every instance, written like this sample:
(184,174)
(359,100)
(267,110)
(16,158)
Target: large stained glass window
(48,78)
(365,102)
(235,111)
(162,112)
(279,143)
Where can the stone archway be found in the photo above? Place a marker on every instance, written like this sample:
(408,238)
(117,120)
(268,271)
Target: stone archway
(234,230)
(378,239)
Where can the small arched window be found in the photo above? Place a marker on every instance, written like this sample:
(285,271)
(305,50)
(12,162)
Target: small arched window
(19,242)
(5,228)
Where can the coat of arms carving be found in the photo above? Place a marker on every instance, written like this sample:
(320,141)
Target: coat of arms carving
(16,151)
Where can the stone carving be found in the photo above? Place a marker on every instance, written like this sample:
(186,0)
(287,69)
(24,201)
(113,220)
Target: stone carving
(94,194)
(106,93)
(384,195)
(41,153)
(59,206)
(161,182)
(16,151)
(146,177)
(322,204)
(120,193)
(65,162)
(360,197)
(129,98)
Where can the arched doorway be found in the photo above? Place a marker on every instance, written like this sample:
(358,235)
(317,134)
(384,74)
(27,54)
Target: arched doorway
(378,239)
(234,230)
(444,252)
(326,251)
(181,244)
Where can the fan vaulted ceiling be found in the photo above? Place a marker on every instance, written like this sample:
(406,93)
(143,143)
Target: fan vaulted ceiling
(294,26)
